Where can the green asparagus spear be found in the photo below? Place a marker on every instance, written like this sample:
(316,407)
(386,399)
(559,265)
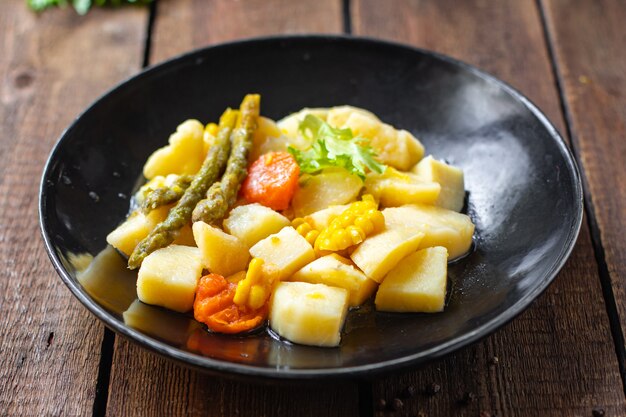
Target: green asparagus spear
(166,194)
(165,232)
(222,195)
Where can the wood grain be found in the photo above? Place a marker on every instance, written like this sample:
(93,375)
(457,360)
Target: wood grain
(51,66)
(209,22)
(147,385)
(557,358)
(141,382)
(589,48)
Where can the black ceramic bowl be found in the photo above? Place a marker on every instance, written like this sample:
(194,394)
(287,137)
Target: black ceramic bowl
(524,192)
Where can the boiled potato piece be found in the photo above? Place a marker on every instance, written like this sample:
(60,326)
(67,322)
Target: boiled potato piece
(330,187)
(379,253)
(134,229)
(322,218)
(337,271)
(222,253)
(448,177)
(338,116)
(183,155)
(285,252)
(267,138)
(290,124)
(253,222)
(310,314)
(393,188)
(441,227)
(397,148)
(417,284)
(168,277)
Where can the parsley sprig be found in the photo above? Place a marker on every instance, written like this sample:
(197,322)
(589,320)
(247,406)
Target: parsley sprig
(333,147)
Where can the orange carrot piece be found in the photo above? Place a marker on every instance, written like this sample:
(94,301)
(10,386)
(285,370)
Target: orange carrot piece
(214,307)
(272,180)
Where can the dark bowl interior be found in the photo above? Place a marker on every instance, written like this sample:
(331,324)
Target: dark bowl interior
(524,192)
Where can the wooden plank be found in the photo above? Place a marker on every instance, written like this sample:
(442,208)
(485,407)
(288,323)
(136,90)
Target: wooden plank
(209,22)
(147,385)
(173,390)
(557,358)
(589,49)
(51,66)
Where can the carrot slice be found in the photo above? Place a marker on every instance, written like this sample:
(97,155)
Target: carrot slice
(272,180)
(214,306)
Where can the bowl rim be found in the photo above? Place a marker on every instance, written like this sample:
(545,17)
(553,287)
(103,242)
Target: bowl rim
(225,368)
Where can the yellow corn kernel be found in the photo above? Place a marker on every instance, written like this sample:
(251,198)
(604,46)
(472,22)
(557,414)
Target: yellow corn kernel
(253,276)
(297,222)
(255,270)
(242,292)
(377,219)
(258,296)
(303,229)
(311,237)
(347,218)
(365,224)
(212,129)
(356,234)
(340,239)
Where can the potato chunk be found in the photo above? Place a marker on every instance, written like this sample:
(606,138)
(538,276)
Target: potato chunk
(417,284)
(222,253)
(397,148)
(183,155)
(448,177)
(267,138)
(289,125)
(441,227)
(310,314)
(322,218)
(378,254)
(253,222)
(134,229)
(331,187)
(394,188)
(336,271)
(168,277)
(285,252)
(339,115)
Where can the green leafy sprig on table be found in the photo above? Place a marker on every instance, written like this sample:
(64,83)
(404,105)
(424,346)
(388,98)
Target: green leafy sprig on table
(81,6)
(333,147)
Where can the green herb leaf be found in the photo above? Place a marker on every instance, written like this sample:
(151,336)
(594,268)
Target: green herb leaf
(81,6)
(333,147)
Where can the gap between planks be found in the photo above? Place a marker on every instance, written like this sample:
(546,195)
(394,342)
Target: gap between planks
(590,213)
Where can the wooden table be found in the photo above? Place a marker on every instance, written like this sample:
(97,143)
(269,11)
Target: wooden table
(564,356)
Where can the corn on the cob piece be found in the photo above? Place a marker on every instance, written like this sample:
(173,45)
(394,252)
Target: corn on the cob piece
(359,220)
(305,229)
